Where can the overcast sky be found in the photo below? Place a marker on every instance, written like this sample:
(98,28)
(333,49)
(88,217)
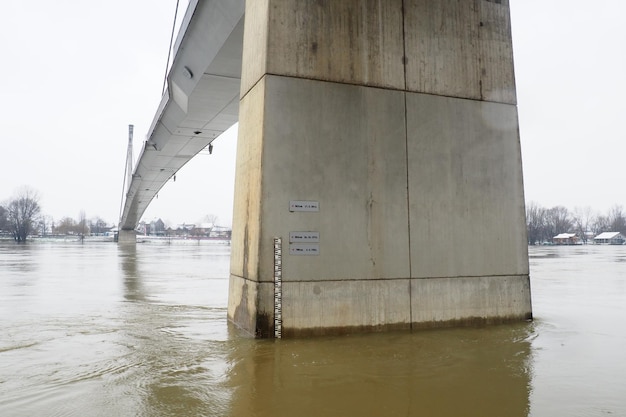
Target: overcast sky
(76,73)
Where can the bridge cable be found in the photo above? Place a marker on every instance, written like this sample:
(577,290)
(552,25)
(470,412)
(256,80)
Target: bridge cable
(169,52)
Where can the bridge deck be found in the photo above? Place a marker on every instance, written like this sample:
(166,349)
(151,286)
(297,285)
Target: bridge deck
(201,101)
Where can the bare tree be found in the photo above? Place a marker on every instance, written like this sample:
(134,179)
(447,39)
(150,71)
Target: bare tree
(3,218)
(617,219)
(97,225)
(66,226)
(22,212)
(210,218)
(535,223)
(557,221)
(45,224)
(600,224)
(582,219)
(82,224)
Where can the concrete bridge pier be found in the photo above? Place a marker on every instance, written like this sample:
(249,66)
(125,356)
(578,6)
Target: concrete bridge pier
(379,140)
(127,236)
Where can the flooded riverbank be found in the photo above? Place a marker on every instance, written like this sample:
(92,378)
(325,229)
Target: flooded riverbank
(97,329)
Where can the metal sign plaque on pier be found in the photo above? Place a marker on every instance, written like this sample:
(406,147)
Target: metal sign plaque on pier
(304,243)
(304,249)
(299,205)
(304,237)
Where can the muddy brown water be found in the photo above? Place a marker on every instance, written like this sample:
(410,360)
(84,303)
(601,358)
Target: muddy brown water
(97,329)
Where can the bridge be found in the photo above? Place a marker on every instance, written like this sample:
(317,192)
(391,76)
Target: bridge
(201,101)
(379,178)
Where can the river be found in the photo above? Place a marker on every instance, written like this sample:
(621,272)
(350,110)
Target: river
(97,329)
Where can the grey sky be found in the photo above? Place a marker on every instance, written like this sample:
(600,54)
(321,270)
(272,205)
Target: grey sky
(76,73)
(570,61)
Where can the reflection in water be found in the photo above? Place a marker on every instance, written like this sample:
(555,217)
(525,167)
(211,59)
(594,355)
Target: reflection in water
(467,372)
(174,334)
(17,260)
(132,283)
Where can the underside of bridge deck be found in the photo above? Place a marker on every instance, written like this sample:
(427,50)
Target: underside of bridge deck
(200,103)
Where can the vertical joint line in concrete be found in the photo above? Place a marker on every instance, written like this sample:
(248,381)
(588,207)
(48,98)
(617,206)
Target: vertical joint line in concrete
(404,57)
(480,57)
(406,155)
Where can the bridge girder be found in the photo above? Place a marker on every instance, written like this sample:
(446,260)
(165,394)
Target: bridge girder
(200,103)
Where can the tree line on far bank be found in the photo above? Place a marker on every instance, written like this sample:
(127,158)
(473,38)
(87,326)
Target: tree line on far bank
(543,223)
(20,216)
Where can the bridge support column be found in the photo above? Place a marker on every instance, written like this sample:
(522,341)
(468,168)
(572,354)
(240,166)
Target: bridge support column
(127,236)
(380,141)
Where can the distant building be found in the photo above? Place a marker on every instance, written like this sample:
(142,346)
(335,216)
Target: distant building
(157,228)
(609,238)
(210,231)
(202,230)
(221,232)
(565,239)
(142,228)
(184,229)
